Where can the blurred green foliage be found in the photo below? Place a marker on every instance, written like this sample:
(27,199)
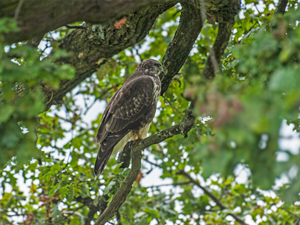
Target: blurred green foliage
(239,117)
(22,99)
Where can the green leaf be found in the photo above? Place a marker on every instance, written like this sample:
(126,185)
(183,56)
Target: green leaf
(152,212)
(5,112)
(70,195)
(55,211)
(109,187)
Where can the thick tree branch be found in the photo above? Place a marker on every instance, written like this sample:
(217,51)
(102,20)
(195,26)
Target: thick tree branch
(124,157)
(35,18)
(186,34)
(282,6)
(280,10)
(212,64)
(213,197)
(91,47)
(194,13)
(124,190)
(224,15)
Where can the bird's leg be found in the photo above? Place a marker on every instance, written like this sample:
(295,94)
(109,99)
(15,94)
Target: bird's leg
(134,141)
(131,143)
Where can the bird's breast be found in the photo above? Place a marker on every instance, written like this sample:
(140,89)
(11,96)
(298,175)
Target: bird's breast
(156,89)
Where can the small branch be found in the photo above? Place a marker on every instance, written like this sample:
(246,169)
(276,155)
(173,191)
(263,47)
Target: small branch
(182,128)
(280,10)
(124,157)
(212,64)
(213,197)
(173,184)
(151,163)
(205,190)
(89,107)
(89,202)
(223,14)
(18,9)
(172,106)
(123,191)
(118,215)
(186,34)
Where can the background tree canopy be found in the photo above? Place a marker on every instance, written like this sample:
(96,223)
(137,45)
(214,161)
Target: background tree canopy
(214,152)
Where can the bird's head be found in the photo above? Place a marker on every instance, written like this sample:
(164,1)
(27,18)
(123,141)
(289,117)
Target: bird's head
(151,67)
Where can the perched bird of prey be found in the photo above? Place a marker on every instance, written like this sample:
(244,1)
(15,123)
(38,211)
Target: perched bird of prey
(129,112)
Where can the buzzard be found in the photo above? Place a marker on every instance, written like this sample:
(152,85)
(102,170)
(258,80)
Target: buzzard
(129,112)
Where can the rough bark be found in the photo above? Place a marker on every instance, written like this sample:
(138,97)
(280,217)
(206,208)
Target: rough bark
(186,34)
(35,18)
(91,47)
(212,64)
(224,15)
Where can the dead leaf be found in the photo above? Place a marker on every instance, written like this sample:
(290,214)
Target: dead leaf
(119,23)
(139,177)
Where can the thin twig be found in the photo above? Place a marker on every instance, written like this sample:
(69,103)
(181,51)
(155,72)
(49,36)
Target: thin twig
(205,190)
(18,9)
(50,98)
(152,163)
(88,108)
(172,106)
(213,197)
(173,184)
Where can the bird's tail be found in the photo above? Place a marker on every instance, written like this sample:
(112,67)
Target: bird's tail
(105,151)
(101,161)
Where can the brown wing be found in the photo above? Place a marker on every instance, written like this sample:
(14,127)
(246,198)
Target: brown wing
(125,106)
(125,112)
